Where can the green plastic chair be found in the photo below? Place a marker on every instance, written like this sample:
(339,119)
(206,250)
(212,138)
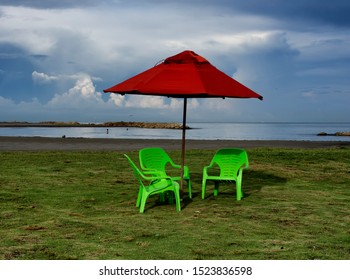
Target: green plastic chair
(157,159)
(157,184)
(229,164)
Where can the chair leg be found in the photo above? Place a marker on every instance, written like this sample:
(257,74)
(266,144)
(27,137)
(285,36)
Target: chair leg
(161,197)
(177,198)
(204,185)
(143,201)
(139,196)
(239,193)
(170,197)
(216,188)
(189,188)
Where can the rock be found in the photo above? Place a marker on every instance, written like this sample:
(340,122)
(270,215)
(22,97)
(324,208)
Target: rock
(340,133)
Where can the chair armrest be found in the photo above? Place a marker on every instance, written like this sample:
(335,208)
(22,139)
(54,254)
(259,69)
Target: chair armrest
(205,170)
(212,163)
(174,165)
(245,165)
(186,169)
(153,175)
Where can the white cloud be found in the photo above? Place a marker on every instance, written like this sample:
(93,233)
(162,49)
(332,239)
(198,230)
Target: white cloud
(46,78)
(25,26)
(155,102)
(83,91)
(138,101)
(79,36)
(83,102)
(43,78)
(117,99)
(79,103)
(159,102)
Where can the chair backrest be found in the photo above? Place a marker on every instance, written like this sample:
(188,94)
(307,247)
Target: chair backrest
(136,171)
(154,158)
(230,160)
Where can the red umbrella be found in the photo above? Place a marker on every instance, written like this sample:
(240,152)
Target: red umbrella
(185,75)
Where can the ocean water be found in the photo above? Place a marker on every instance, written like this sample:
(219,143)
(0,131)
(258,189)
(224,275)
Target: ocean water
(204,131)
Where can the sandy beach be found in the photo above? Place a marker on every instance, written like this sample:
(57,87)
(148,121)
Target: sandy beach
(93,144)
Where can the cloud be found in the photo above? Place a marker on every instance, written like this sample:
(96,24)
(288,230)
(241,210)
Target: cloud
(117,99)
(77,103)
(90,46)
(49,3)
(265,61)
(297,12)
(43,78)
(278,49)
(82,102)
(82,94)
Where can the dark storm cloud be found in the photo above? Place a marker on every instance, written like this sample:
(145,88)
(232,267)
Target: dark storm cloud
(15,66)
(330,12)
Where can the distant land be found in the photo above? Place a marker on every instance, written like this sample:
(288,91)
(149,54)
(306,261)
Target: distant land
(106,124)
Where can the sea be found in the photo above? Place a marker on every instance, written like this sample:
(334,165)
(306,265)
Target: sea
(199,131)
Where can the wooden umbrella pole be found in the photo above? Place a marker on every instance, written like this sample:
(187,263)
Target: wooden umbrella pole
(183,144)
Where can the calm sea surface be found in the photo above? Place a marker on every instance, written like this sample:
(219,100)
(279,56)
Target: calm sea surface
(208,131)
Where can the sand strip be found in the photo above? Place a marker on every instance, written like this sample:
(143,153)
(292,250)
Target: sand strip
(94,144)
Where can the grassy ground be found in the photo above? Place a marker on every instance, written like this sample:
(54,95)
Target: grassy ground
(81,205)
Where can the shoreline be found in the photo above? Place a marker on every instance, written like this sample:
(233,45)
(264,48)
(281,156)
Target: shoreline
(10,143)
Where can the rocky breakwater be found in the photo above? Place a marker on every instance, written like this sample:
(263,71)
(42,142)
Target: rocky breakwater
(157,125)
(106,124)
(340,133)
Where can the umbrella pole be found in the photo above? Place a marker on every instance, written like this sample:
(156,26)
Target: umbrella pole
(183,145)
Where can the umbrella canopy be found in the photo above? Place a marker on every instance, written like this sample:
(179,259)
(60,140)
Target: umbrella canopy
(185,75)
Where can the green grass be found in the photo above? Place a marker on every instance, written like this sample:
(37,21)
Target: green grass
(81,205)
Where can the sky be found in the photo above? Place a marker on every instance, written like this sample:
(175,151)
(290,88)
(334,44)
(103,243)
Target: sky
(57,56)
